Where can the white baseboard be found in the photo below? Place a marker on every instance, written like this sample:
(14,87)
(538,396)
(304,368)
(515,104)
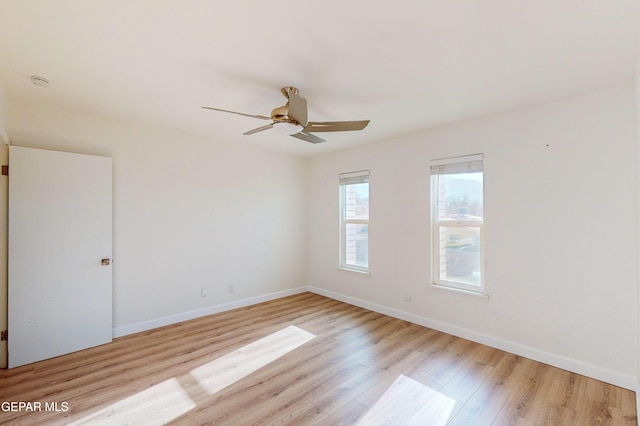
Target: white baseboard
(197,313)
(590,370)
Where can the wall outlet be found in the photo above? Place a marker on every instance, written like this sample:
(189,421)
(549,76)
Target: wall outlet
(407,296)
(231,288)
(204,292)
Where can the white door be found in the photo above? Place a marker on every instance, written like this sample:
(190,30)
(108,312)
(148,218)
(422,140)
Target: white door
(60,291)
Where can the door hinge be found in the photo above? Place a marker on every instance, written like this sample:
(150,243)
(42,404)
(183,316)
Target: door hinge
(5,170)
(4,335)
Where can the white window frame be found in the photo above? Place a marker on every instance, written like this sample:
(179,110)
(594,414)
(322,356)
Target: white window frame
(346,179)
(464,164)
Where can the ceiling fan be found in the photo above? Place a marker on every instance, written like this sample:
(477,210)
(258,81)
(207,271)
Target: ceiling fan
(291,119)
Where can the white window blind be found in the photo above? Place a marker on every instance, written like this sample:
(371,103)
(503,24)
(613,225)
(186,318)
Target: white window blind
(354,178)
(449,166)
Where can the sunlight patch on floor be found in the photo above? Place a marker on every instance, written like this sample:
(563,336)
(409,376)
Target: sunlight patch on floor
(408,402)
(167,401)
(153,406)
(224,371)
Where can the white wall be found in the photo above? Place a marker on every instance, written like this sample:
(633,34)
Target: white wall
(560,232)
(189,212)
(4,106)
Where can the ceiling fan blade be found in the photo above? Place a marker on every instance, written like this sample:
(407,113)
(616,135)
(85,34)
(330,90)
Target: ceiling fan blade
(308,137)
(298,108)
(259,129)
(262,117)
(335,126)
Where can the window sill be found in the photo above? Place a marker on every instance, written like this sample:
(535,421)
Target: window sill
(468,293)
(354,271)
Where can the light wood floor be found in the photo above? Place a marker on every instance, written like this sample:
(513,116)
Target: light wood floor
(339,364)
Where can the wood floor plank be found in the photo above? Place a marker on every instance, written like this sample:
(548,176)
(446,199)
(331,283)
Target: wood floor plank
(357,368)
(488,400)
(348,414)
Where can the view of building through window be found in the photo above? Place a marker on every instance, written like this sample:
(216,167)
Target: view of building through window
(354,206)
(457,224)
(357,234)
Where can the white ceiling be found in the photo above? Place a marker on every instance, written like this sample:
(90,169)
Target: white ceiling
(406,65)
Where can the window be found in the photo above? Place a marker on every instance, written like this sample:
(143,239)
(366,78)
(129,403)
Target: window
(354,221)
(457,219)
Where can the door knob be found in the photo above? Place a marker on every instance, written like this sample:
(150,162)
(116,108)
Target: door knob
(106,261)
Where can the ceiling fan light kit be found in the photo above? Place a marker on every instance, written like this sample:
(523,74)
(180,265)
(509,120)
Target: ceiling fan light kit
(291,119)
(288,128)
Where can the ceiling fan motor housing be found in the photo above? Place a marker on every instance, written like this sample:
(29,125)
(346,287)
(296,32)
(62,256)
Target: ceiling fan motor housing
(282,114)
